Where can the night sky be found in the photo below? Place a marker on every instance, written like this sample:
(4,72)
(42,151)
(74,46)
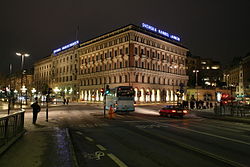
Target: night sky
(209,28)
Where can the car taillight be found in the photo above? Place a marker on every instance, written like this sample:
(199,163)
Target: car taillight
(173,111)
(185,111)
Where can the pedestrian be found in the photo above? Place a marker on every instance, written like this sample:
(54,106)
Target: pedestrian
(197,104)
(207,104)
(192,104)
(36,110)
(67,102)
(64,101)
(211,105)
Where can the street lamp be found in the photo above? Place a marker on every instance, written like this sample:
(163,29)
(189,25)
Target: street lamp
(22,58)
(22,63)
(196,79)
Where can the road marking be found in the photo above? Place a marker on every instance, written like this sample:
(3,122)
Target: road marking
(99,154)
(89,139)
(204,133)
(195,149)
(213,135)
(117,160)
(101,147)
(79,133)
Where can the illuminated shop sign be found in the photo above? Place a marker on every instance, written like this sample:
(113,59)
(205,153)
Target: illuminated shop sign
(66,47)
(161,32)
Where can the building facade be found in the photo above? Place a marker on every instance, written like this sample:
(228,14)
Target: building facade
(209,72)
(154,65)
(58,71)
(43,74)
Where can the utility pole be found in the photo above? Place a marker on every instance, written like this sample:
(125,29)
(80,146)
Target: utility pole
(196,83)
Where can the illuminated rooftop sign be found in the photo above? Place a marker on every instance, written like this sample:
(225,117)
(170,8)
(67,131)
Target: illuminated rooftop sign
(161,32)
(66,47)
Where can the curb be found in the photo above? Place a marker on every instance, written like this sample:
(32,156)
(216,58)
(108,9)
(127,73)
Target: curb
(6,146)
(71,148)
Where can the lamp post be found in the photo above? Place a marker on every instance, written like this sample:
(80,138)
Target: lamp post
(196,81)
(22,63)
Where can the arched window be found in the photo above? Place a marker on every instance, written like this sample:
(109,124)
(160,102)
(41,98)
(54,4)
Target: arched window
(137,78)
(120,79)
(136,63)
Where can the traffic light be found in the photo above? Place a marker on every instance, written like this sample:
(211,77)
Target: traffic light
(107,91)
(102,91)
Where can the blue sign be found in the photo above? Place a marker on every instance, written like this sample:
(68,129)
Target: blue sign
(66,47)
(161,32)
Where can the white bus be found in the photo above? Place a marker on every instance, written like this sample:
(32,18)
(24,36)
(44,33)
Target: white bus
(121,98)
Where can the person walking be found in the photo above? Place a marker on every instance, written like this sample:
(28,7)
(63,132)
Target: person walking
(36,110)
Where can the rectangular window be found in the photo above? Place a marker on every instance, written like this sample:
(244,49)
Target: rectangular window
(126,50)
(142,51)
(136,51)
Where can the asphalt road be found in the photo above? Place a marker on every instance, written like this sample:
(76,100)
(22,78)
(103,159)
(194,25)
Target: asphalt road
(144,139)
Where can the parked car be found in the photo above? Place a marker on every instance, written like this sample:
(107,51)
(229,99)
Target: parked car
(173,110)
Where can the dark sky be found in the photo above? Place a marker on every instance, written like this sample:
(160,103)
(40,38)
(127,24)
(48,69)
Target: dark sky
(217,29)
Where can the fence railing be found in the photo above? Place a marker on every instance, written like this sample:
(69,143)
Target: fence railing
(233,110)
(11,126)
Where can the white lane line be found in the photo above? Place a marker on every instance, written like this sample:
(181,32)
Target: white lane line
(79,133)
(89,139)
(213,135)
(117,160)
(101,147)
(204,133)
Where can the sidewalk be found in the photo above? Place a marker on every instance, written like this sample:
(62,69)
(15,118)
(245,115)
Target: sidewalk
(43,145)
(209,113)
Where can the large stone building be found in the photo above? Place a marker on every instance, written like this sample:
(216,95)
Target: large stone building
(153,64)
(42,74)
(59,72)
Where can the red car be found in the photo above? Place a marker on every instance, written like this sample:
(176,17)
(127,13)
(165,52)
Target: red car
(171,111)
